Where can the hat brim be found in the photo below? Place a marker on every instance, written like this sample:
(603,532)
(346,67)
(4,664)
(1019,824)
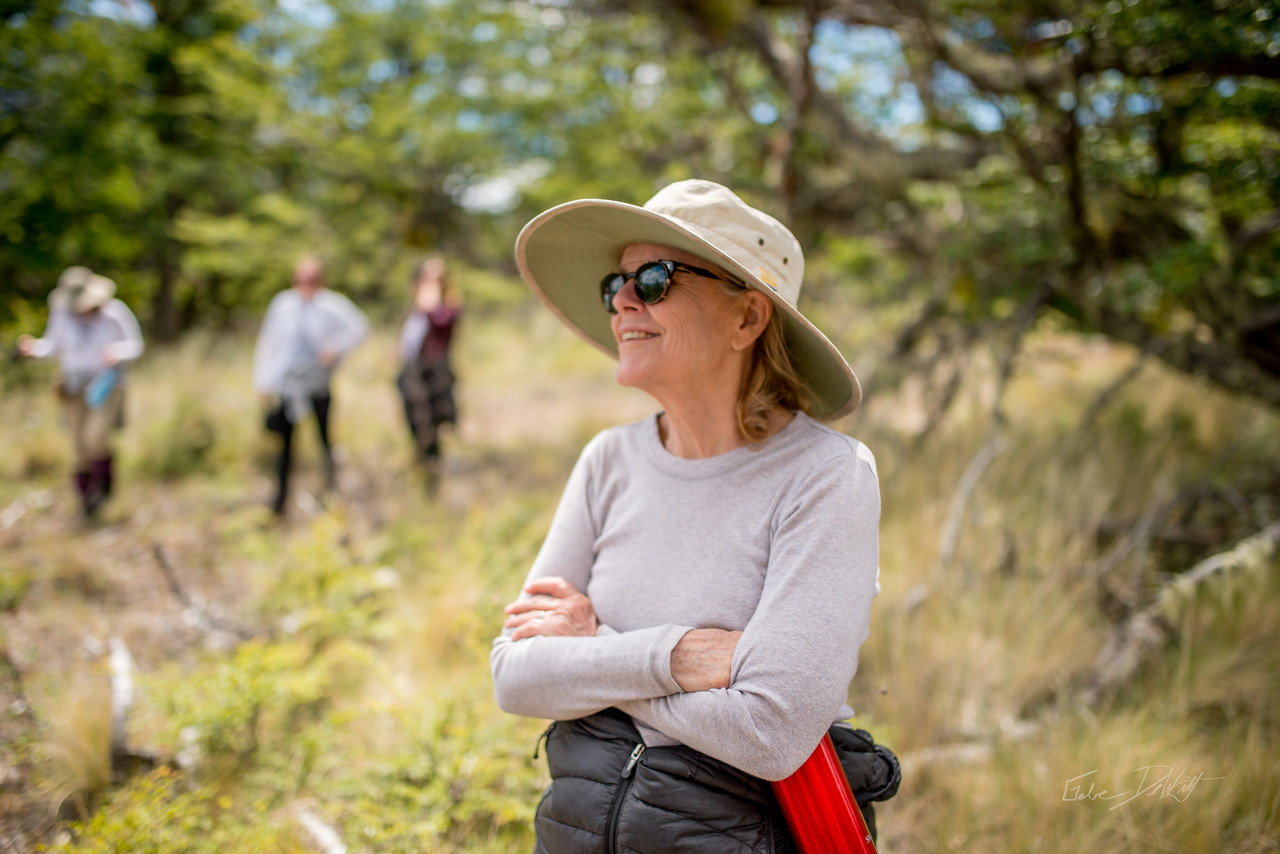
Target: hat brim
(564,252)
(96,292)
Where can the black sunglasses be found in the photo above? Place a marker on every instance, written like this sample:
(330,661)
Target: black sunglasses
(653,279)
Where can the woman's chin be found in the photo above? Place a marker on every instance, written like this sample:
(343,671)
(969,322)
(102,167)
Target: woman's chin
(630,375)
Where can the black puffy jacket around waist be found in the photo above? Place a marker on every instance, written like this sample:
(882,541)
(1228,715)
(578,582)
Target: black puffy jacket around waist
(609,793)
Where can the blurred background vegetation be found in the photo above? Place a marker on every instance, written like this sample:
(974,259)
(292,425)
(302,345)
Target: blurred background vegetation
(981,165)
(1045,234)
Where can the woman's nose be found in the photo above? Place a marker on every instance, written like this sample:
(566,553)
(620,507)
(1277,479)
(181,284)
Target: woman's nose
(627,298)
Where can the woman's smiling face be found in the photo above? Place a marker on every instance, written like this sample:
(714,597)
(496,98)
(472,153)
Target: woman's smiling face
(682,343)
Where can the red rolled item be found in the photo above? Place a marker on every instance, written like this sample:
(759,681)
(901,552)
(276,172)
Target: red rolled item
(819,806)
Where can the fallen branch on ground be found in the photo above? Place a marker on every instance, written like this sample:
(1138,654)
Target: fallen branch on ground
(1151,628)
(196,613)
(125,760)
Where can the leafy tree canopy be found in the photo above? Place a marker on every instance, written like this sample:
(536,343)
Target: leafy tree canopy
(985,164)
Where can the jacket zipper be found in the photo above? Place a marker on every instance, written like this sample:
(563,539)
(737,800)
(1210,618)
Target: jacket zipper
(615,809)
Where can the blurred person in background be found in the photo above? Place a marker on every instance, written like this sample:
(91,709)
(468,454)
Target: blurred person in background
(306,332)
(426,376)
(692,620)
(94,337)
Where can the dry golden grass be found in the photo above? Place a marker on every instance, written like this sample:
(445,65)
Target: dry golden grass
(972,669)
(78,746)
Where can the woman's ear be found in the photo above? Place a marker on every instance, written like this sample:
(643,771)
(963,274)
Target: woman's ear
(753,316)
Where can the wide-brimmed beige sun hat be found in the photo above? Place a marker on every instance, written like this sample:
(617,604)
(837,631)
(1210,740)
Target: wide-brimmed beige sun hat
(82,290)
(564,252)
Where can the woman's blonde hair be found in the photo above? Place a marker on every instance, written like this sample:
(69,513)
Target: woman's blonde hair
(771,380)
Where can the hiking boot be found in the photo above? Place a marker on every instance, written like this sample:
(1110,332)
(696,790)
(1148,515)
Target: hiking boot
(90,493)
(102,476)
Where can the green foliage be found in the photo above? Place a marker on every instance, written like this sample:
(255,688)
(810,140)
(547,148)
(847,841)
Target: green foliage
(13,586)
(208,148)
(180,444)
(249,702)
(263,707)
(258,728)
(462,779)
(160,813)
(1122,157)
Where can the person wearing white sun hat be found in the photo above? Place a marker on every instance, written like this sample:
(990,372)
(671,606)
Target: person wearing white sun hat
(708,575)
(94,336)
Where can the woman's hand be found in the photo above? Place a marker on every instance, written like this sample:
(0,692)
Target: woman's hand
(552,606)
(703,658)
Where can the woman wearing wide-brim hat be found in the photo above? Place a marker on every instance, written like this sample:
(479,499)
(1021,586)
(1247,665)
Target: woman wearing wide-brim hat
(693,617)
(94,337)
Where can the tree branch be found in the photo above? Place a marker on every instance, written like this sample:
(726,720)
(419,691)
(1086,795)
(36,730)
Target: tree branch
(951,529)
(1104,397)
(1133,641)
(1244,239)
(1141,61)
(1189,354)
(1022,323)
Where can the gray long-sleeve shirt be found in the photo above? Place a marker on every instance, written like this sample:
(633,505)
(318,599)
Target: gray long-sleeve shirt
(778,541)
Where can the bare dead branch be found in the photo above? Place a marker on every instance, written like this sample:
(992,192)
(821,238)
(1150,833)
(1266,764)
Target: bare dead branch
(1104,397)
(1140,534)
(1226,367)
(120,666)
(322,832)
(1256,548)
(909,335)
(1134,640)
(197,613)
(1021,326)
(956,510)
(941,406)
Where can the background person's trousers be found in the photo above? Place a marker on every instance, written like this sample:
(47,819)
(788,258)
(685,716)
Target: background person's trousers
(91,429)
(284,463)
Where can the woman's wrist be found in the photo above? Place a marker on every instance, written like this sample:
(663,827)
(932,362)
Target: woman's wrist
(703,659)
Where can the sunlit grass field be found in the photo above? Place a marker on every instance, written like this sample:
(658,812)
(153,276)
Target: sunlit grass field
(328,678)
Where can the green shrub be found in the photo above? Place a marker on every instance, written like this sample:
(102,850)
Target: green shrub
(179,444)
(159,814)
(13,586)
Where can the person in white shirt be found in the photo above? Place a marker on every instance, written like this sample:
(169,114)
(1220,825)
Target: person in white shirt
(307,331)
(94,337)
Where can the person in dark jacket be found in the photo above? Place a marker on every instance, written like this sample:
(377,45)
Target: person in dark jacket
(426,375)
(692,619)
